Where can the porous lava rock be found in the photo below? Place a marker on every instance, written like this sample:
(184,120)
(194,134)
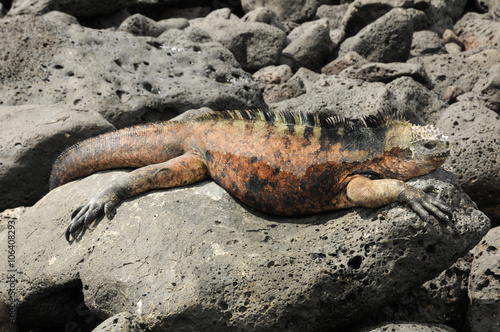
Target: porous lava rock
(109,72)
(191,258)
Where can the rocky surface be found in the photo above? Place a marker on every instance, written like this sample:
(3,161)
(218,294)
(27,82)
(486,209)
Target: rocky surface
(408,327)
(475,135)
(388,39)
(484,285)
(193,257)
(32,134)
(48,63)
(178,260)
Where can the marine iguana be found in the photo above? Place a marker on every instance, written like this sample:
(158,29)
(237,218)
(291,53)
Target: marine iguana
(282,163)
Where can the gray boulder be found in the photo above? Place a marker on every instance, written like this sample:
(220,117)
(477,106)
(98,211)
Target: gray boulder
(453,9)
(302,82)
(426,43)
(32,138)
(476,30)
(408,327)
(123,322)
(254,44)
(345,61)
(438,18)
(83,9)
(364,12)
(292,88)
(334,14)
(388,39)
(309,47)
(484,285)
(474,132)
(489,57)
(297,11)
(445,70)
(337,95)
(125,78)
(141,25)
(272,75)
(407,94)
(386,72)
(349,97)
(487,89)
(263,15)
(193,258)
(442,300)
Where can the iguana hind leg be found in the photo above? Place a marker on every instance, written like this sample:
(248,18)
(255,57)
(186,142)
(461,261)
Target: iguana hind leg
(362,191)
(185,169)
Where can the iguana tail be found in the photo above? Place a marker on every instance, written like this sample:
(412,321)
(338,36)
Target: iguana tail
(129,147)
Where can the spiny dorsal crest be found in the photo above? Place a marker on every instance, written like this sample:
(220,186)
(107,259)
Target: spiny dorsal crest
(427,133)
(306,119)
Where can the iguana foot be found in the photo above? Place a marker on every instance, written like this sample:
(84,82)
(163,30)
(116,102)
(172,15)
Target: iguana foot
(103,203)
(362,191)
(423,203)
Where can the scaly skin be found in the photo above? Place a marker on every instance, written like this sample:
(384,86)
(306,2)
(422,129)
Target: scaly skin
(275,162)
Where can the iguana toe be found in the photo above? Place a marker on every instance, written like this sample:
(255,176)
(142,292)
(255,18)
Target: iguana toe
(83,216)
(424,204)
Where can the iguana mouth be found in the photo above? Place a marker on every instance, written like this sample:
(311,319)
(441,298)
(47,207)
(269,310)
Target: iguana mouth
(445,154)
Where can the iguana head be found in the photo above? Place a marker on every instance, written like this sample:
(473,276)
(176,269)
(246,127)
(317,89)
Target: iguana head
(414,150)
(429,147)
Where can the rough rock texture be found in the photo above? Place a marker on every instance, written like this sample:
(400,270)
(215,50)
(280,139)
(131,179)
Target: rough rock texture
(363,12)
(388,39)
(442,300)
(263,15)
(445,70)
(488,57)
(199,65)
(353,97)
(111,72)
(386,72)
(487,89)
(83,9)
(32,138)
(286,10)
(8,218)
(474,132)
(123,322)
(335,95)
(475,30)
(407,94)
(310,46)
(408,327)
(426,42)
(334,14)
(272,75)
(347,60)
(193,257)
(141,25)
(254,44)
(484,285)
(292,88)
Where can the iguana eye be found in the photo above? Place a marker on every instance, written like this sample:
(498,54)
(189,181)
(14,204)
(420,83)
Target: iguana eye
(430,145)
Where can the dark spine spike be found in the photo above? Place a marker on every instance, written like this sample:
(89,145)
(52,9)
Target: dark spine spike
(308,119)
(247,115)
(289,118)
(270,116)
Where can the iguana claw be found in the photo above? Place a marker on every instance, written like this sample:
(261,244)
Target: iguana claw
(103,203)
(423,203)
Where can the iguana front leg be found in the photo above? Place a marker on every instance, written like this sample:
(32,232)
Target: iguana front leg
(185,169)
(362,191)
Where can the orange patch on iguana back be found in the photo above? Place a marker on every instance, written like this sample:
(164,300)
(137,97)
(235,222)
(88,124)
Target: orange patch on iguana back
(284,169)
